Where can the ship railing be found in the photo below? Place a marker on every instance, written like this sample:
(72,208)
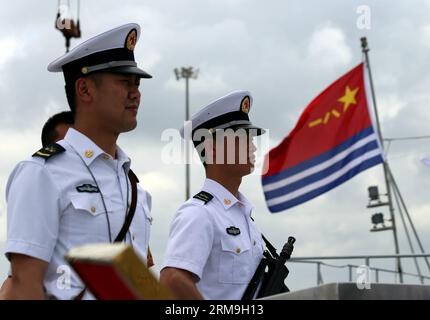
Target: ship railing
(367,259)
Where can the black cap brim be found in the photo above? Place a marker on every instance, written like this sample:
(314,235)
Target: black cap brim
(129,70)
(259,131)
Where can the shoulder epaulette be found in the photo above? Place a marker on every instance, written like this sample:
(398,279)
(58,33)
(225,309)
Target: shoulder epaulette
(49,151)
(204,196)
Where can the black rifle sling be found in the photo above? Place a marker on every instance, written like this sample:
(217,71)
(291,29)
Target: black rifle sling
(133,181)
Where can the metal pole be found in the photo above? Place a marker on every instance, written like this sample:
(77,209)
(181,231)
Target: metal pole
(319,275)
(350,273)
(387,182)
(186,73)
(396,196)
(396,187)
(187,164)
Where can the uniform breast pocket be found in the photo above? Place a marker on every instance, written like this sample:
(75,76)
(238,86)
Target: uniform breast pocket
(142,221)
(140,229)
(257,248)
(85,217)
(90,205)
(235,258)
(148,224)
(146,214)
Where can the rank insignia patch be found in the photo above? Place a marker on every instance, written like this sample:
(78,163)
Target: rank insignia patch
(49,151)
(88,188)
(204,196)
(233,231)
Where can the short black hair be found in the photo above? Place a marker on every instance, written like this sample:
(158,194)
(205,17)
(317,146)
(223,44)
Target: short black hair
(49,134)
(70,95)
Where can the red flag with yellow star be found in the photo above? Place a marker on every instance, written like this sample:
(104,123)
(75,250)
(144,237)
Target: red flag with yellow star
(333,141)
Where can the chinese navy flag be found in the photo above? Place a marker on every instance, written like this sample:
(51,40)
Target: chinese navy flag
(333,141)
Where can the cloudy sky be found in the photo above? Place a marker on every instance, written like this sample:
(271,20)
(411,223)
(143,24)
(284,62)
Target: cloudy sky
(285,53)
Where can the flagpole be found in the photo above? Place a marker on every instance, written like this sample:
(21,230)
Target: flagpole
(366,50)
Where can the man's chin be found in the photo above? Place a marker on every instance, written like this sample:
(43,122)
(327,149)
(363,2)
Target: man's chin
(249,169)
(129,127)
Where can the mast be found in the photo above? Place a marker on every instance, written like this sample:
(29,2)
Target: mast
(366,50)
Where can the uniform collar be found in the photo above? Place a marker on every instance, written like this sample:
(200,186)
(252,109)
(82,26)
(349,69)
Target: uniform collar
(226,198)
(123,159)
(89,151)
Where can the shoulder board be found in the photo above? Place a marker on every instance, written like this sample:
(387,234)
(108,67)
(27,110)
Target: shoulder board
(204,196)
(49,151)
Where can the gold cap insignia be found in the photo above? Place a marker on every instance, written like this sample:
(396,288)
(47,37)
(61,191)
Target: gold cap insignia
(84,70)
(245,104)
(131,40)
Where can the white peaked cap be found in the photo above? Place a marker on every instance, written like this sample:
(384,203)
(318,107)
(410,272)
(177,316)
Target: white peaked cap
(111,51)
(229,111)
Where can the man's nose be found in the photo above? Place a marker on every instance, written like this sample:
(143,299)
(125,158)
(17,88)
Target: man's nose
(135,93)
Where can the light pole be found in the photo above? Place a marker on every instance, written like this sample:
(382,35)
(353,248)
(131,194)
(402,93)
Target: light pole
(186,73)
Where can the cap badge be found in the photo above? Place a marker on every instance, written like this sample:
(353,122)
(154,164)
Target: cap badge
(131,40)
(245,104)
(84,70)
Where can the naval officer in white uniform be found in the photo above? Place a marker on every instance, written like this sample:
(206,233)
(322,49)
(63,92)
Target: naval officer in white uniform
(78,191)
(214,246)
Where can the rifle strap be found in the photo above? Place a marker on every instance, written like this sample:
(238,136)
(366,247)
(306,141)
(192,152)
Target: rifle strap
(133,181)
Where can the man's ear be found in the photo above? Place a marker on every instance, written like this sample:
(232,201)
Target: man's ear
(84,89)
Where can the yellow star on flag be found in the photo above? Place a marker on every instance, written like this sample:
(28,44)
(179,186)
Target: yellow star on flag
(348,98)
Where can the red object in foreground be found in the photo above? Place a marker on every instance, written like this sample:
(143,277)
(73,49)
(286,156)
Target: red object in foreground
(104,282)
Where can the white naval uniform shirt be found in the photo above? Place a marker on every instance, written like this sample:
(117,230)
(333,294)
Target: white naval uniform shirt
(199,242)
(47,215)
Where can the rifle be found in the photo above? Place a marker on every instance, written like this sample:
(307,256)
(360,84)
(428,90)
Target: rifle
(271,272)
